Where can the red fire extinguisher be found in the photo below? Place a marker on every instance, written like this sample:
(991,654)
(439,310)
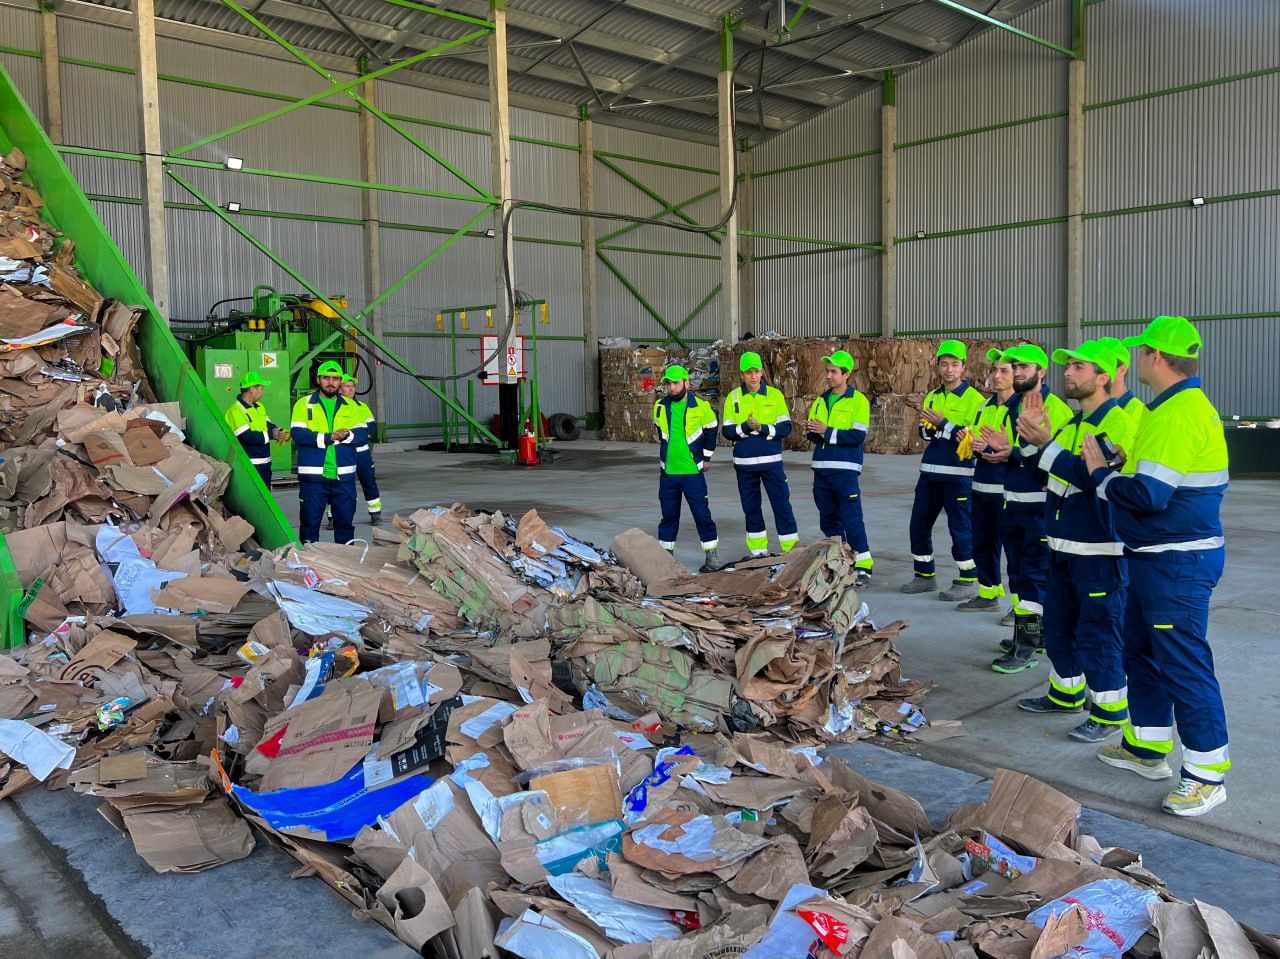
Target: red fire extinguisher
(527,449)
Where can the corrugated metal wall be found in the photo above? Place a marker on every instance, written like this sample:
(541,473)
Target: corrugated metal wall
(982,148)
(209,262)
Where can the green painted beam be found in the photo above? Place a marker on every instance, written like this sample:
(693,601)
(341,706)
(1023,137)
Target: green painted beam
(652,194)
(670,208)
(961,9)
(648,307)
(323,297)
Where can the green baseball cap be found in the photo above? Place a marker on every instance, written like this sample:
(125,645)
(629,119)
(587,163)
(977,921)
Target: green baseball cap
(1022,353)
(329,368)
(952,348)
(841,359)
(1090,351)
(1169,334)
(675,374)
(349,378)
(252,379)
(750,361)
(1118,350)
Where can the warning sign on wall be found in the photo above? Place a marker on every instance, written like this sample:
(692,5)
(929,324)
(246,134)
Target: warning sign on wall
(223,371)
(510,360)
(268,361)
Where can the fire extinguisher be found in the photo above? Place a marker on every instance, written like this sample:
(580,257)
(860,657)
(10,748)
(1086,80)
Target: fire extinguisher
(527,449)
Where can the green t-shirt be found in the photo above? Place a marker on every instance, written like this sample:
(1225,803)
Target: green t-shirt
(679,459)
(331,451)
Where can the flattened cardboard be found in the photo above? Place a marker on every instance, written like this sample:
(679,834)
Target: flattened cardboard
(324,737)
(1030,813)
(588,794)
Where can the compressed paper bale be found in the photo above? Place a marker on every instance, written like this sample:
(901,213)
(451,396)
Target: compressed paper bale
(895,424)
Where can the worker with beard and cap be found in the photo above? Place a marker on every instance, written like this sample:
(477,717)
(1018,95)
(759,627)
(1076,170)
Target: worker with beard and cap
(837,427)
(687,439)
(247,418)
(1086,587)
(1167,502)
(326,430)
(365,473)
(986,498)
(756,421)
(945,477)
(1119,389)
(1022,519)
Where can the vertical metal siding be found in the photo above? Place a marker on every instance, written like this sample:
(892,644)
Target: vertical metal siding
(851,127)
(28,75)
(1009,279)
(993,78)
(20,29)
(838,201)
(1212,141)
(1181,42)
(82,40)
(832,294)
(1003,176)
(99,108)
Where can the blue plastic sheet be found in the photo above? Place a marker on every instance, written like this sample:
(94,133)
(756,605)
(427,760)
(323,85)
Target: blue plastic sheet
(335,810)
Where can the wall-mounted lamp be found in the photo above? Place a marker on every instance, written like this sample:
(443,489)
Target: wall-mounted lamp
(1197,201)
(489,232)
(233,206)
(234,163)
(919,234)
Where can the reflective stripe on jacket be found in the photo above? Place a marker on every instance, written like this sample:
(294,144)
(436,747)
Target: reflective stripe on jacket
(312,436)
(1023,488)
(1168,494)
(252,429)
(769,407)
(1077,521)
(960,406)
(989,477)
(847,417)
(699,424)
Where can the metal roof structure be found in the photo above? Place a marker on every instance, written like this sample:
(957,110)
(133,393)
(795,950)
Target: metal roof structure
(647,64)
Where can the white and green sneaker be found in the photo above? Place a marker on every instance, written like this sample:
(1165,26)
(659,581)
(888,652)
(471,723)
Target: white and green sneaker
(1194,798)
(1116,755)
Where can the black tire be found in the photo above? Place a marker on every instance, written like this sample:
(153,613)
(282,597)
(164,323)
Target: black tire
(564,426)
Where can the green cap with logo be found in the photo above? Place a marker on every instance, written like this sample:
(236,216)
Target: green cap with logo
(841,359)
(1169,334)
(1090,351)
(329,368)
(1022,353)
(349,378)
(252,379)
(952,348)
(750,361)
(1118,350)
(675,374)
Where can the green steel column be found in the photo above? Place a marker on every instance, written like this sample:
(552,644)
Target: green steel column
(888,206)
(731,293)
(747,274)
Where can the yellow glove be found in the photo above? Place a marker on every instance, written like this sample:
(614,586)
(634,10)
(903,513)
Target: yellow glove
(964,449)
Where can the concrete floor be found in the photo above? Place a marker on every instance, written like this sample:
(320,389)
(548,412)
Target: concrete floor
(58,857)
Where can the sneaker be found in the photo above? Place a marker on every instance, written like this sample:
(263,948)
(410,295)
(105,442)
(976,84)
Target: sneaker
(863,580)
(375,519)
(1092,731)
(1120,757)
(759,553)
(980,605)
(1193,798)
(1043,704)
(958,590)
(1008,618)
(920,584)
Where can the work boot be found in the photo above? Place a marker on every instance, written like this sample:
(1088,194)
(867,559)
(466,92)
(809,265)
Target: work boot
(863,580)
(713,564)
(1006,644)
(980,605)
(959,589)
(329,523)
(1120,757)
(1092,731)
(375,517)
(920,584)
(1043,704)
(1026,640)
(1008,618)
(759,553)
(1194,798)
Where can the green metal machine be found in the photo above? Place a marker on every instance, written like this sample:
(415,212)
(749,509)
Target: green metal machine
(281,336)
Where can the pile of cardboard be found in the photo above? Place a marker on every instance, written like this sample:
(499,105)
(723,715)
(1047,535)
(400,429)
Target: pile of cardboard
(631,381)
(894,374)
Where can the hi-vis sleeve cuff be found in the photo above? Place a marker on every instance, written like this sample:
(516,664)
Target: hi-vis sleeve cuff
(1051,453)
